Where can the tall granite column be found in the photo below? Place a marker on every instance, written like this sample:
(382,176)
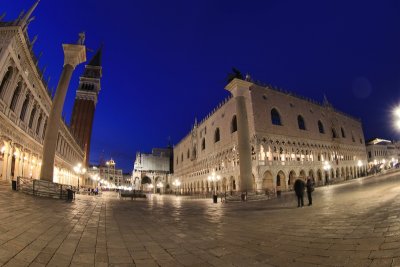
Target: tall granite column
(73,55)
(239,90)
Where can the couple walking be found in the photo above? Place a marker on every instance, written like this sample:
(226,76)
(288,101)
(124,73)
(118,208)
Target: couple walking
(299,187)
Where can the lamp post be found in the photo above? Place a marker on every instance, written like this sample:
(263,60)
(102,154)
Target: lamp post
(177,184)
(396,115)
(80,171)
(326,167)
(214,178)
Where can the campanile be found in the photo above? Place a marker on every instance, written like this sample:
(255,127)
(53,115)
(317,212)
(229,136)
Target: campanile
(85,103)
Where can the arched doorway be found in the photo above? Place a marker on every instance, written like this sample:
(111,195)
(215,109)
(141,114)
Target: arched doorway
(280,181)
(267,182)
(292,178)
(319,177)
(302,175)
(311,174)
(146,183)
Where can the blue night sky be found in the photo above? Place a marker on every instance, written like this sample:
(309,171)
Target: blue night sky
(166,62)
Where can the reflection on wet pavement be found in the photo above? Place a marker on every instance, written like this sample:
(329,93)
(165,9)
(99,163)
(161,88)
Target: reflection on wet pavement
(352,224)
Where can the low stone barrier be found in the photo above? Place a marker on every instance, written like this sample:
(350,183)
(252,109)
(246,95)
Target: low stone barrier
(43,188)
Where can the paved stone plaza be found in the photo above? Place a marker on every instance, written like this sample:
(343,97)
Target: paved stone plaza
(352,224)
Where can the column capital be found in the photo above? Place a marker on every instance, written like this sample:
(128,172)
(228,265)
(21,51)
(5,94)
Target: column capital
(238,87)
(74,54)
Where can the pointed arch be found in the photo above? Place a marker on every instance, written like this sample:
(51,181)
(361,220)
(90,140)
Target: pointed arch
(234,124)
(334,134)
(275,117)
(217,137)
(301,123)
(343,133)
(321,127)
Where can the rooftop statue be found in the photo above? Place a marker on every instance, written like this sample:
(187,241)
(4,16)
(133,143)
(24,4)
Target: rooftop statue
(235,74)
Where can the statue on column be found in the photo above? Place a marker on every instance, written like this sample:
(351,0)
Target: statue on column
(81,40)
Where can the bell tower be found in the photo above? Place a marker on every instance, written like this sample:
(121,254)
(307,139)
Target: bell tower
(85,103)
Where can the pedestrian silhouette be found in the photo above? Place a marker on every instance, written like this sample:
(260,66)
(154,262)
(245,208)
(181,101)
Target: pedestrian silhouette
(310,188)
(299,186)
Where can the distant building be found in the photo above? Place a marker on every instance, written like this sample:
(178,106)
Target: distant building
(264,138)
(107,175)
(151,171)
(383,152)
(126,179)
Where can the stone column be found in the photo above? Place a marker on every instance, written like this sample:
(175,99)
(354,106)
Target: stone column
(73,55)
(239,89)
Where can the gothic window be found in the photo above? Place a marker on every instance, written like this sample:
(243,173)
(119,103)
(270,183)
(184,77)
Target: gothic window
(343,134)
(321,127)
(275,117)
(301,123)
(234,124)
(5,81)
(188,153)
(278,180)
(182,157)
(38,124)
(334,135)
(32,117)
(24,107)
(203,144)
(352,138)
(15,97)
(216,135)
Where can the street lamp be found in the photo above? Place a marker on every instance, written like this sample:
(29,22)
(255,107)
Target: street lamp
(396,115)
(80,171)
(214,178)
(177,184)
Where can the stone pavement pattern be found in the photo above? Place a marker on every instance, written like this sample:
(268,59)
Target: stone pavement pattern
(353,224)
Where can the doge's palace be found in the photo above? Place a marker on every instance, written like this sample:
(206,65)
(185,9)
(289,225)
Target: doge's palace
(288,137)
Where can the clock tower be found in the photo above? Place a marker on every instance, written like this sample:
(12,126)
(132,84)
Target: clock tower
(85,103)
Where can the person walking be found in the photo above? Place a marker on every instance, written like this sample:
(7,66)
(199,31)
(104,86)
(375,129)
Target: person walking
(310,189)
(299,186)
